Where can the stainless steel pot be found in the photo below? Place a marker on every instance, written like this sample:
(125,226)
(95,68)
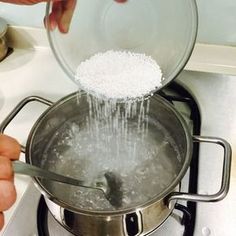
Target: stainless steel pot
(3,41)
(136,220)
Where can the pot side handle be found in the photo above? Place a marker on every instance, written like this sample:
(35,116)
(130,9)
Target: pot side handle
(18,108)
(133,224)
(225,182)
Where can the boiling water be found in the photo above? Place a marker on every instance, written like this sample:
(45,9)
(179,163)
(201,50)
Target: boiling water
(121,139)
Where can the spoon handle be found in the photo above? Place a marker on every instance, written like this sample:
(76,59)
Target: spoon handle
(20,167)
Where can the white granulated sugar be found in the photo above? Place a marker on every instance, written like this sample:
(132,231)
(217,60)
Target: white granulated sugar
(119,75)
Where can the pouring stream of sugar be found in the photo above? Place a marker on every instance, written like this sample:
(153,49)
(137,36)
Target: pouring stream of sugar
(118,76)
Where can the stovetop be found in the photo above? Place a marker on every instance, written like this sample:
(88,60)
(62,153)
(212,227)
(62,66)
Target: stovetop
(35,72)
(180,222)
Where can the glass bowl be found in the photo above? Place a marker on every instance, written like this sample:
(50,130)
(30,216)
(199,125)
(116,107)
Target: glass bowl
(165,30)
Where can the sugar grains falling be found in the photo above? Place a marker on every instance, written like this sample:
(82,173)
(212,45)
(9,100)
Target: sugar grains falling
(116,137)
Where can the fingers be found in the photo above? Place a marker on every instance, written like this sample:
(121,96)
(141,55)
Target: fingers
(55,15)
(68,8)
(6,172)
(9,147)
(23,2)
(7,194)
(1,220)
(61,15)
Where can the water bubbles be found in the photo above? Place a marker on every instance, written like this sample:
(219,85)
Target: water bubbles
(122,138)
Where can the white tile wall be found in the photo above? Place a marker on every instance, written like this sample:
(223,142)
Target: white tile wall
(217,19)
(23,15)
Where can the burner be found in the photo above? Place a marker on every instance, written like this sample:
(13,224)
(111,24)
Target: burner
(182,220)
(185,97)
(46,223)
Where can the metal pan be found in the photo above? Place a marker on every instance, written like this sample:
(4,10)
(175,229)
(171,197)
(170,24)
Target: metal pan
(138,218)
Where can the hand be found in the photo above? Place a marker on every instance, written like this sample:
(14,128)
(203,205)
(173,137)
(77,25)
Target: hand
(62,12)
(61,15)
(9,150)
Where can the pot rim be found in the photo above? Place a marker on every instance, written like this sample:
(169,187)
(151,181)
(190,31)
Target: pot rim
(163,195)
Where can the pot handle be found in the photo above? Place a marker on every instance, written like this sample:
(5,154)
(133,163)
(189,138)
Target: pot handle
(18,108)
(133,224)
(225,175)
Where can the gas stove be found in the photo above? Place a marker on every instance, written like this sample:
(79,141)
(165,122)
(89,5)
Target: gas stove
(205,100)
(181,221)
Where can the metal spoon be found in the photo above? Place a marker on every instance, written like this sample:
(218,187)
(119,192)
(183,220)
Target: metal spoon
(111,185)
